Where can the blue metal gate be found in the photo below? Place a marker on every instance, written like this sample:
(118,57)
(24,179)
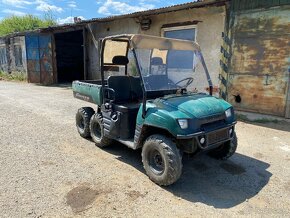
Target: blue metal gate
(39,58)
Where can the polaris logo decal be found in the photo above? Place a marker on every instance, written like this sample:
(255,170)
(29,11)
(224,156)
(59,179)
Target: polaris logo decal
(82,97)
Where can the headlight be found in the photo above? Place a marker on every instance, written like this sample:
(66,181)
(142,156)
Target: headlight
(183,123)
(228,113)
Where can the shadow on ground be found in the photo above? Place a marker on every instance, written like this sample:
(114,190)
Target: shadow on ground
(221,184)
(59,85)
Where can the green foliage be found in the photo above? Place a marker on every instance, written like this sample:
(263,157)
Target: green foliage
(13,76)
(133,70)
(244,118)
(24,23)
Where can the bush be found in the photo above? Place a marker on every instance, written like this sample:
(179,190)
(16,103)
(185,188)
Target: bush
(15,24)
(18,76)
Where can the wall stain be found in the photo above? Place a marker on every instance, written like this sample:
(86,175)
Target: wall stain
(260,61)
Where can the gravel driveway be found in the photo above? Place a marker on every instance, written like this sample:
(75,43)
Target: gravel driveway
(48,170)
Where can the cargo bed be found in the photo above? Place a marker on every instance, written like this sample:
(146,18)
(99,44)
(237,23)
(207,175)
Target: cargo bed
(88,90)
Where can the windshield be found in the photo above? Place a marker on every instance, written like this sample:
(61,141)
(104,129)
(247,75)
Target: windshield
(169,69)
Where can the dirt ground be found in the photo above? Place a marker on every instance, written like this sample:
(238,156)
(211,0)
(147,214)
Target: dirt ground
(48,170)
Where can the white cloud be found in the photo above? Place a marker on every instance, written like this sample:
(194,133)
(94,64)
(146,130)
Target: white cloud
(71,4)
(44,6)
(68,20)
(41,5)
(13,12)
(17,3)
(111,7)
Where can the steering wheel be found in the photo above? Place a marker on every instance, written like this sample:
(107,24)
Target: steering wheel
(189,81)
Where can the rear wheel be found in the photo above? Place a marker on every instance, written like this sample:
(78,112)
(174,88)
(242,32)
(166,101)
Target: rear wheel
(83,117)
(162,160)
(97,131)
(225,150)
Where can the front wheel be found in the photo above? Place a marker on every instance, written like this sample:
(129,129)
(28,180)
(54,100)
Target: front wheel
(225,150)
(162,160)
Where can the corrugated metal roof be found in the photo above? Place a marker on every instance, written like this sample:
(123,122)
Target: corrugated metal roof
(241,5)
(178,7)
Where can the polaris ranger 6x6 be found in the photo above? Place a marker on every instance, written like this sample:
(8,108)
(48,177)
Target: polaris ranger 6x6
(156,94)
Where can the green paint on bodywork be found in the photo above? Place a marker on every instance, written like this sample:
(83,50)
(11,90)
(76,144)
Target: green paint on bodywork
(94,91)
(164,112)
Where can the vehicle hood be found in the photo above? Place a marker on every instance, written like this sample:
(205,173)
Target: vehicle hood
(194,105)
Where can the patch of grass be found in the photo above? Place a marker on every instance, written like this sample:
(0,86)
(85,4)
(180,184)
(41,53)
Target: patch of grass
(21,77)
(242,117)
(265,120)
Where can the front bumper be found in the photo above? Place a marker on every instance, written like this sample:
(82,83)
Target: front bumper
(212,138)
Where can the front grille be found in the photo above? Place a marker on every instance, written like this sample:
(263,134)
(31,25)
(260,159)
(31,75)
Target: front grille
(213,125)
(217,136)
(212,119)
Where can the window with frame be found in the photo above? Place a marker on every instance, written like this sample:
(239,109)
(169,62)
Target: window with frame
(184,58)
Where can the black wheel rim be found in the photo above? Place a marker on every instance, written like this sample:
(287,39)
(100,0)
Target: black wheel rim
(97,130)
(156,162)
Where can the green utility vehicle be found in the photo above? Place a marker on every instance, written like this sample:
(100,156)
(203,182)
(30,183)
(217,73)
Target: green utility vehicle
(150,97)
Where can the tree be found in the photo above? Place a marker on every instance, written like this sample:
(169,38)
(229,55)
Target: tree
(24,23)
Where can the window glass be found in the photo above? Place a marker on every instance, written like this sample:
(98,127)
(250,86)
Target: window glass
(182,58)
(132,68)
(112,49)
(157,75)
(185,34)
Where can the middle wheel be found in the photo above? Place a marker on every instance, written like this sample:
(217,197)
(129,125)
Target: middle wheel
(97,131)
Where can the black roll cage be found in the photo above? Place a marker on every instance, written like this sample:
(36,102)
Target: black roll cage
(127,38)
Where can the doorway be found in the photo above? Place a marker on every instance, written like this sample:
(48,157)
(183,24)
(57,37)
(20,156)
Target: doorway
(69,56)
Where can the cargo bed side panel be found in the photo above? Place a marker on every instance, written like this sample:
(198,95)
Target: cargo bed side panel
(87,91)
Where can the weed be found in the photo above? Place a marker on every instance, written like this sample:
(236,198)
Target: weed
(13,76)
(242,117)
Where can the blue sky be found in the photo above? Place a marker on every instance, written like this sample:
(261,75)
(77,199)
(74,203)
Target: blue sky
(64,10)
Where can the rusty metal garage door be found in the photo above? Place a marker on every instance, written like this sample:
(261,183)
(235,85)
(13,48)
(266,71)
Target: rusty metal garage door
(39,59)
(259,77)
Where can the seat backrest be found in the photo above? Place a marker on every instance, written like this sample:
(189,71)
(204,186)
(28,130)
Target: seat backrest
(156,61)
(136,89)
(121,86)
(120,60)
